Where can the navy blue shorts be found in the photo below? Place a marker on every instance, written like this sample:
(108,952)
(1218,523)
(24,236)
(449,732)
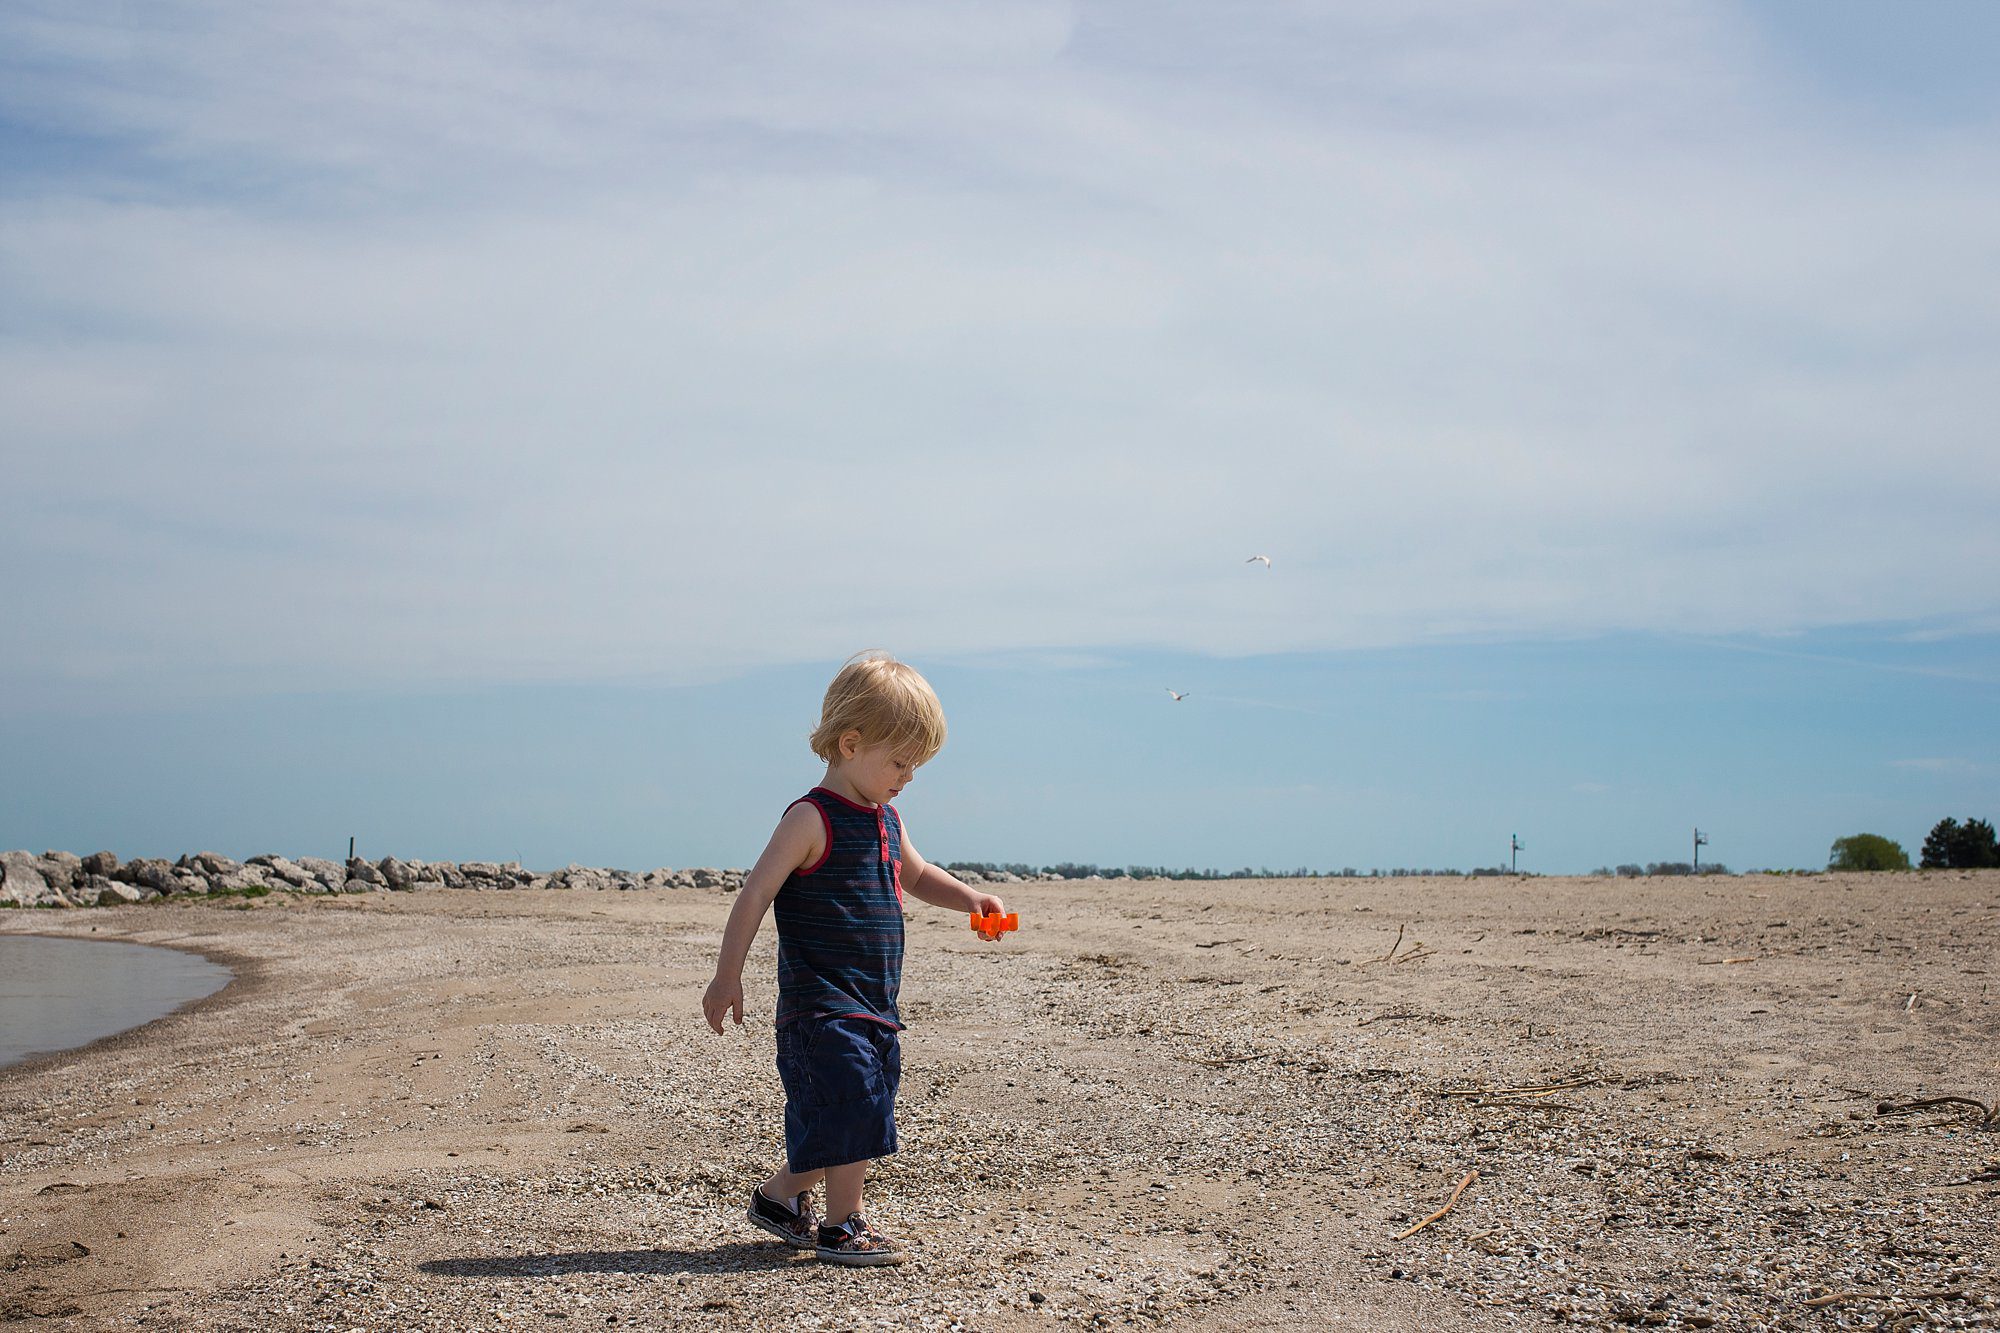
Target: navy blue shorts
(840,1077)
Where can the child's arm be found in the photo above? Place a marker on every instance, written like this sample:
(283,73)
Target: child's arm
(940,888)
(795,844)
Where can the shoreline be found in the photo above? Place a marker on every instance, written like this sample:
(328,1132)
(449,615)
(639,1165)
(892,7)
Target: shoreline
(1193,1103)
(244,971)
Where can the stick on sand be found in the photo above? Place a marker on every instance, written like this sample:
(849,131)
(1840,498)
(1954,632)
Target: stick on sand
(1470,1176)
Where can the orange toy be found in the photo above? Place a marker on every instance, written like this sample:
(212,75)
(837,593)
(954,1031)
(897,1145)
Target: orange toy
(990,925)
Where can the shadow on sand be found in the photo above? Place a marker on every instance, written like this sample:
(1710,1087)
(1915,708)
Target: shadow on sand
(721,1259)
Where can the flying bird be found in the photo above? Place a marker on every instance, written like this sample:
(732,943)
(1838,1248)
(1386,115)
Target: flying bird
(1178,695)
(1255,558)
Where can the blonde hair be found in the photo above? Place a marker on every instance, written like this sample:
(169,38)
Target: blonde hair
(886,701)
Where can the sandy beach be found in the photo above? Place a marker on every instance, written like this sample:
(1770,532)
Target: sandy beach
(1192,1104)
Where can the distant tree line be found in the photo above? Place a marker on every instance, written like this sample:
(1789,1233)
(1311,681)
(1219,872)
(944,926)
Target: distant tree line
(1634,871)
(1950,845)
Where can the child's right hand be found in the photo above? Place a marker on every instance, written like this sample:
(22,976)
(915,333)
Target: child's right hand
(724,996)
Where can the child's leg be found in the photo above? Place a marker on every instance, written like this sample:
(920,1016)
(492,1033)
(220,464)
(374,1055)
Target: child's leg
(843,1237)
(843,1191)
(784,1186)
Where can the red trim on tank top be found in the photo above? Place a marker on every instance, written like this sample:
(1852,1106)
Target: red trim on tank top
(826,827)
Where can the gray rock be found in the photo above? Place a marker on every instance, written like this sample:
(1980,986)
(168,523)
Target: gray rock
(101,863)
(359,886)
(104,891)
(211,863)
(367,874)
(241,878)
(284,871)
(327,874)
(480,870)
(21,879)
(149,872)
(60,869)
(580,877)
(396,874)
(454,878)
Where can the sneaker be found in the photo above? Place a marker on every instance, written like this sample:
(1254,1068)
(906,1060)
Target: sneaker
(857,1244)
(795,1223)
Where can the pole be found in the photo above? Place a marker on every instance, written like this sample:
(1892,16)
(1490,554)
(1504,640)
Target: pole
(1699,843)
(1513,853)
(350,846)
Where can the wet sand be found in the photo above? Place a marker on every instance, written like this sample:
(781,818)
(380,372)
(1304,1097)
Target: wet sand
(1197,1104)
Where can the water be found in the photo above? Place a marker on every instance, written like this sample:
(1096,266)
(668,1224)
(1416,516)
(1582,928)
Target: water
(58,994)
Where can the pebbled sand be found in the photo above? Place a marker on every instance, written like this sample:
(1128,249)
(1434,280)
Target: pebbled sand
(1203,1105)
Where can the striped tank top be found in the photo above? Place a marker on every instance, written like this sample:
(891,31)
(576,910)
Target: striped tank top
(840,920)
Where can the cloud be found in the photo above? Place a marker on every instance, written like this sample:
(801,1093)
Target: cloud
(1945,766)
(358,342)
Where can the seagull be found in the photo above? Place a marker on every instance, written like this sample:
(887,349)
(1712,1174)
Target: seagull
(1255,558)
(1178,695)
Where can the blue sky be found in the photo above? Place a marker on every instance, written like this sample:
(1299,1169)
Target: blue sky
(482,429)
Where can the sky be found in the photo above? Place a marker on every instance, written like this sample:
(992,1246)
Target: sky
(482,429)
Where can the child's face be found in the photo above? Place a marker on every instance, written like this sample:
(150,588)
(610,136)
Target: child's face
(878,770)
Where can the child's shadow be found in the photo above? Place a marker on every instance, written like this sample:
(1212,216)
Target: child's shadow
(731,1258)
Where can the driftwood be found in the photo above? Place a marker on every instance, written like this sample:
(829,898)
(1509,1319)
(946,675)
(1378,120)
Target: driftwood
(1227,1060)
(1989,1116)
(1470,1176)
(1985,1175)
(1533,1090)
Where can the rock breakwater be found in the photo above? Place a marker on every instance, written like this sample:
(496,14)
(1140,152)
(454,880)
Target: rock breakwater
(64,879)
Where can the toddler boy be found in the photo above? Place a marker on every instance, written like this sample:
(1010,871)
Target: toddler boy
(835,872)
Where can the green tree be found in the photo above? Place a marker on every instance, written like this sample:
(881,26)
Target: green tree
(1938,844)
(1955,846)
(1979,845)
(1867,851)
